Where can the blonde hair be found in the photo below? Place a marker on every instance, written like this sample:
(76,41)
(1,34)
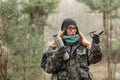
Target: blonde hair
(82,39)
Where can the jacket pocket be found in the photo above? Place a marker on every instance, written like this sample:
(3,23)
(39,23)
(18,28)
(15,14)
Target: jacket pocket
(81,54)
(81,57)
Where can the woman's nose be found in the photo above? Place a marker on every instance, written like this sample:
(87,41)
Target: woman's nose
(73,30)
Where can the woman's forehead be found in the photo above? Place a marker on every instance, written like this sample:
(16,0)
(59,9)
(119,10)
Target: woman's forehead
(71,25)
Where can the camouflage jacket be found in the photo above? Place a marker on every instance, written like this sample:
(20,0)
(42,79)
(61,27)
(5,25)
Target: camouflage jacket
(76,67)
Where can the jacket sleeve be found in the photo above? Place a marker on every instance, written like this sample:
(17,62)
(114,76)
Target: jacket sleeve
(94,54)
(50,63)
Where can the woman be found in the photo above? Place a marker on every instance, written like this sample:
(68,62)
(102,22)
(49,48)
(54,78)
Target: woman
(81,55)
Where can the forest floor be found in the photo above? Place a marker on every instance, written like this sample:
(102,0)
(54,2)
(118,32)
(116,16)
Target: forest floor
(99,71)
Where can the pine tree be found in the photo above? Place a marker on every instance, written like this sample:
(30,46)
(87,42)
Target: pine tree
(22,27)
(109,9)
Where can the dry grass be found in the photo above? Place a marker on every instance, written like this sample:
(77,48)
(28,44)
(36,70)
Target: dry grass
(99,70)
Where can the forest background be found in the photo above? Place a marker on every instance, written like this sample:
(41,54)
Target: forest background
(27,27)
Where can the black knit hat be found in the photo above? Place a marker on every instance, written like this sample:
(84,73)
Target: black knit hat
(67,22)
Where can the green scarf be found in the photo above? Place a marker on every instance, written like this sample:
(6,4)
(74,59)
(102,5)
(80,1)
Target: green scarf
(71,39)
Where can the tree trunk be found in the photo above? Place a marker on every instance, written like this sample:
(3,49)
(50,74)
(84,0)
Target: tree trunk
(3,65)
(106,24)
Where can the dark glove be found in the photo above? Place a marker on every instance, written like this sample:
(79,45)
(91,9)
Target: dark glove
(61,52)
(96,39)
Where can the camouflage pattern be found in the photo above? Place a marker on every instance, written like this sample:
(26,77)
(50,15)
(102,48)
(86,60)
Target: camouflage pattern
(76,68)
